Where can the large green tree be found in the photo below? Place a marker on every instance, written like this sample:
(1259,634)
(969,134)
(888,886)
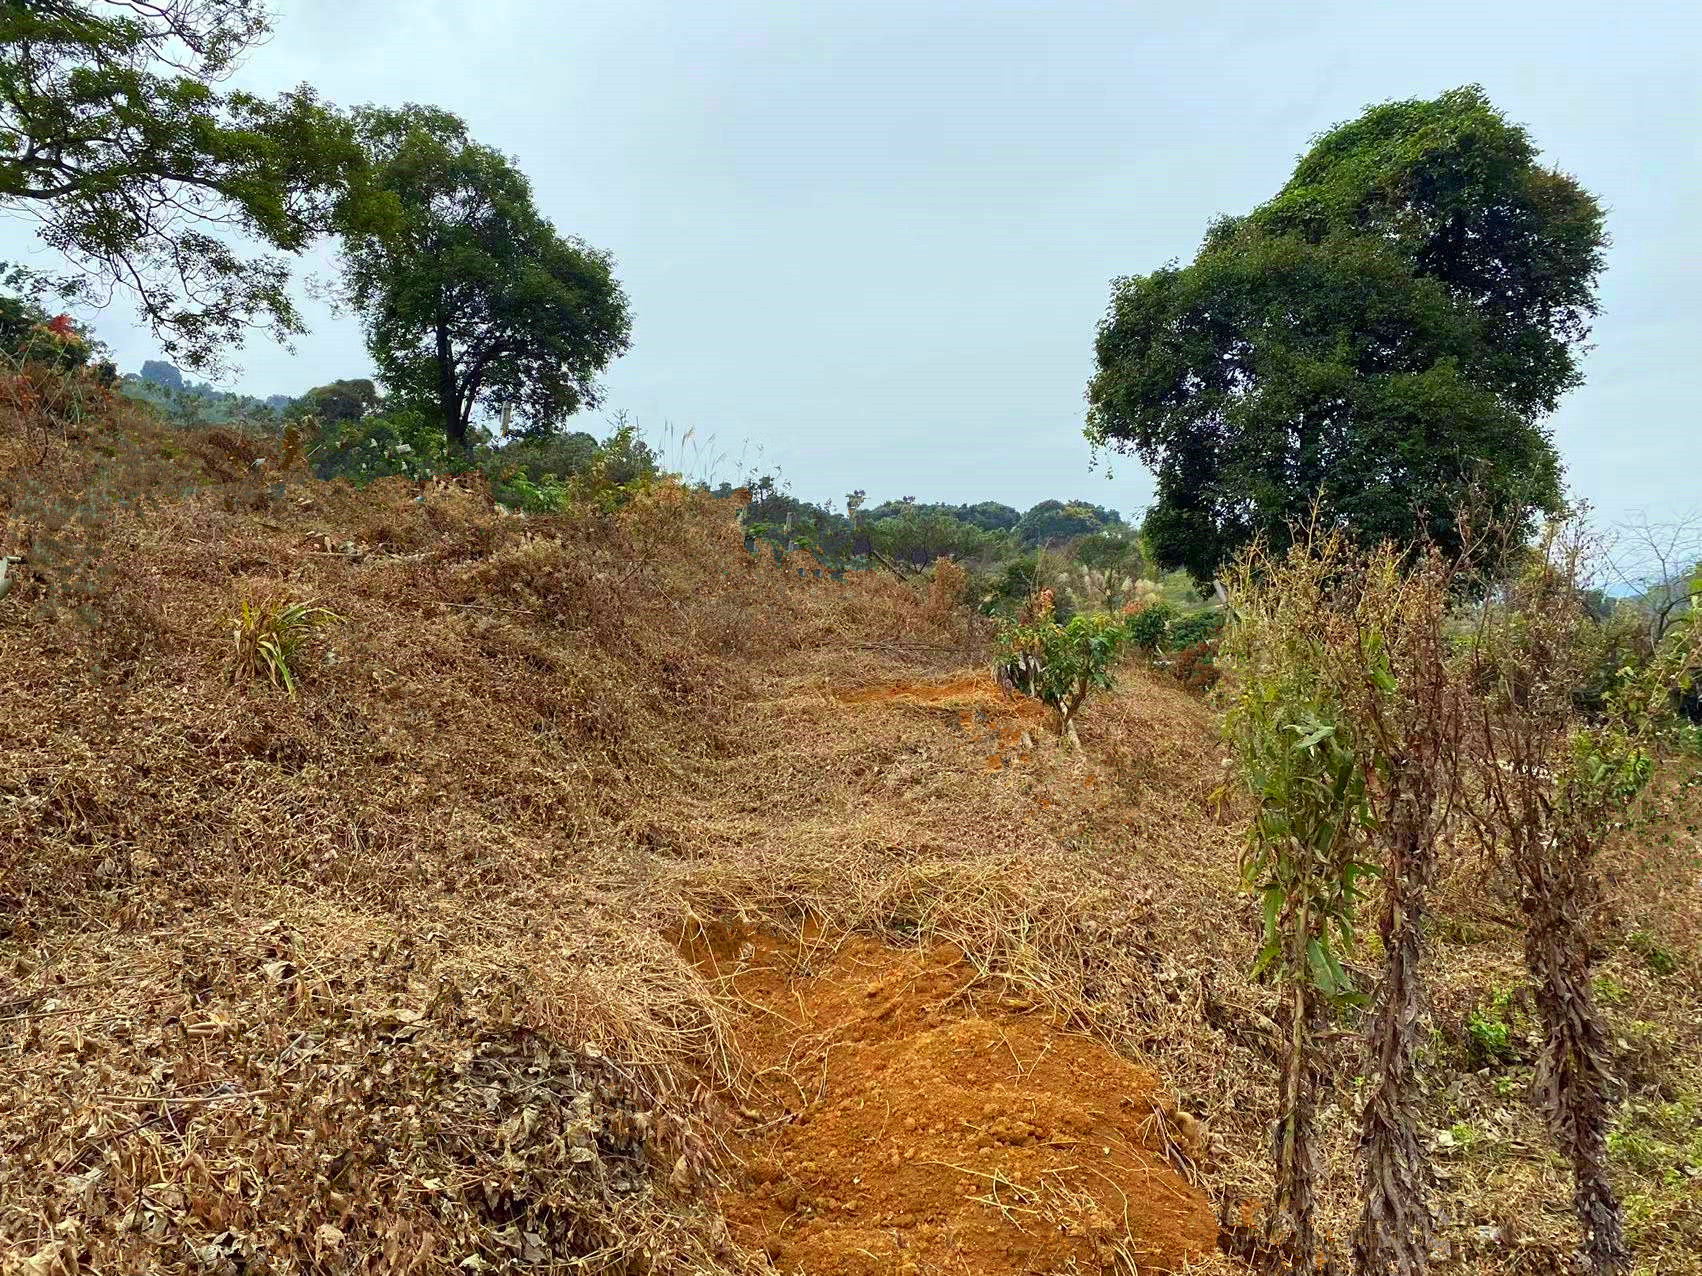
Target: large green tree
(337,402)
(1384,336)
(1055,522)
(468,294)
(116,139)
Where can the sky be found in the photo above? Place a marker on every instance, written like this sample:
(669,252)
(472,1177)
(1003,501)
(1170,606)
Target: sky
(869,241)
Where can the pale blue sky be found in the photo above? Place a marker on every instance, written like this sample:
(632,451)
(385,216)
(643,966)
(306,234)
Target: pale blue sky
(874,238)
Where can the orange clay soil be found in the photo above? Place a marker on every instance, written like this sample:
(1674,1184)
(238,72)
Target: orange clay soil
(977,689)
(985,711)
(910,1121)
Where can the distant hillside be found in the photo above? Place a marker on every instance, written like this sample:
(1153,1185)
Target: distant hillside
(163,385)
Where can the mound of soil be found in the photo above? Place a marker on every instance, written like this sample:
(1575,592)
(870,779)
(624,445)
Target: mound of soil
(911,1121)
(975,690)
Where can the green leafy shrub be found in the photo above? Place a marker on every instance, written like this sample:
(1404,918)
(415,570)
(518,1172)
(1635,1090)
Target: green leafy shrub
(544,475)
(559,456)
(402,442)
(1616,639)
(1149,627)
(1058,663)
(1191,638)
(1196,628)
(547,495)
(622,467)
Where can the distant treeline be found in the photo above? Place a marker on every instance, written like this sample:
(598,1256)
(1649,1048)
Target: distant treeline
(351,413)
(196,402)
(915,533)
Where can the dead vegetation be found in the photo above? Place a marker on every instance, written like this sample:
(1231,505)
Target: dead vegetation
(387,976)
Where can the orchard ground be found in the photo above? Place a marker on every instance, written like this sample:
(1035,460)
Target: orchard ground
(611,893)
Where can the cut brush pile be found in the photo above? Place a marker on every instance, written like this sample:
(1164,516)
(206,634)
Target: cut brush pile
(355,978)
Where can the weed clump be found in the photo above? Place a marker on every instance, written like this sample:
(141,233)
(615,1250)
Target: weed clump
(269,637)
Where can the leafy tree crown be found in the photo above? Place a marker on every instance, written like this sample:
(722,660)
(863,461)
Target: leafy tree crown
(1387,331)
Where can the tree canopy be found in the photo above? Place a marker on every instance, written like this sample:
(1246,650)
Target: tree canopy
(114,138)
(345,400)
(988,516)
(1383,336)
(1056,522)
(469,296)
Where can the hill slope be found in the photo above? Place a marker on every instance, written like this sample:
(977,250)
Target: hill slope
(408,972)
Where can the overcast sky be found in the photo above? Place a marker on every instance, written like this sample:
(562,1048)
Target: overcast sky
(874,237)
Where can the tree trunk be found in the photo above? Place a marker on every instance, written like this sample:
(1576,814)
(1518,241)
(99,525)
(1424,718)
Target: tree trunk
(448,394)
(1394,1233)
(1067,716)
(1291,1228)
(1573,1073)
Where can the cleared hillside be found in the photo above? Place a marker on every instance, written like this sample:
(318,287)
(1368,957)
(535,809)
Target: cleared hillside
(408,972)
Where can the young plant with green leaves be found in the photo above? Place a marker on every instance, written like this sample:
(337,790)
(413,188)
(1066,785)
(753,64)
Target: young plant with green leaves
(1307,853)
(1148,626)
(1348,709)
(1058,664)
(268,638)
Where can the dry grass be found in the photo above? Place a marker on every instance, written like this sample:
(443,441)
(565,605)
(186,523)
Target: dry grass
(366,976)
(387,975)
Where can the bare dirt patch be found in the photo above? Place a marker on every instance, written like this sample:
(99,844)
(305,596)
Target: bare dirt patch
(911,1121)
(968,691)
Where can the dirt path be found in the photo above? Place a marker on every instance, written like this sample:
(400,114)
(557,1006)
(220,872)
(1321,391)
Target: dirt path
(912,1117)
(912,1120)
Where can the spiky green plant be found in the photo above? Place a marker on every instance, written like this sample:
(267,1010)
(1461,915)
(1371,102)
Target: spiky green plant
(269,636)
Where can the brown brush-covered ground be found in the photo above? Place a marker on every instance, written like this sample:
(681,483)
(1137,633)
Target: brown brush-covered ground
(405,973)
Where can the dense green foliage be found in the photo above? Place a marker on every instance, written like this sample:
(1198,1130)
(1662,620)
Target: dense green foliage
(403,441)
(537,476)
(1385,334)
(346,400)
(1298,758)
(1149,628)
(467,293)
(115,140)
(1053,523)
(28,335)
(987,516)
(1196,627)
